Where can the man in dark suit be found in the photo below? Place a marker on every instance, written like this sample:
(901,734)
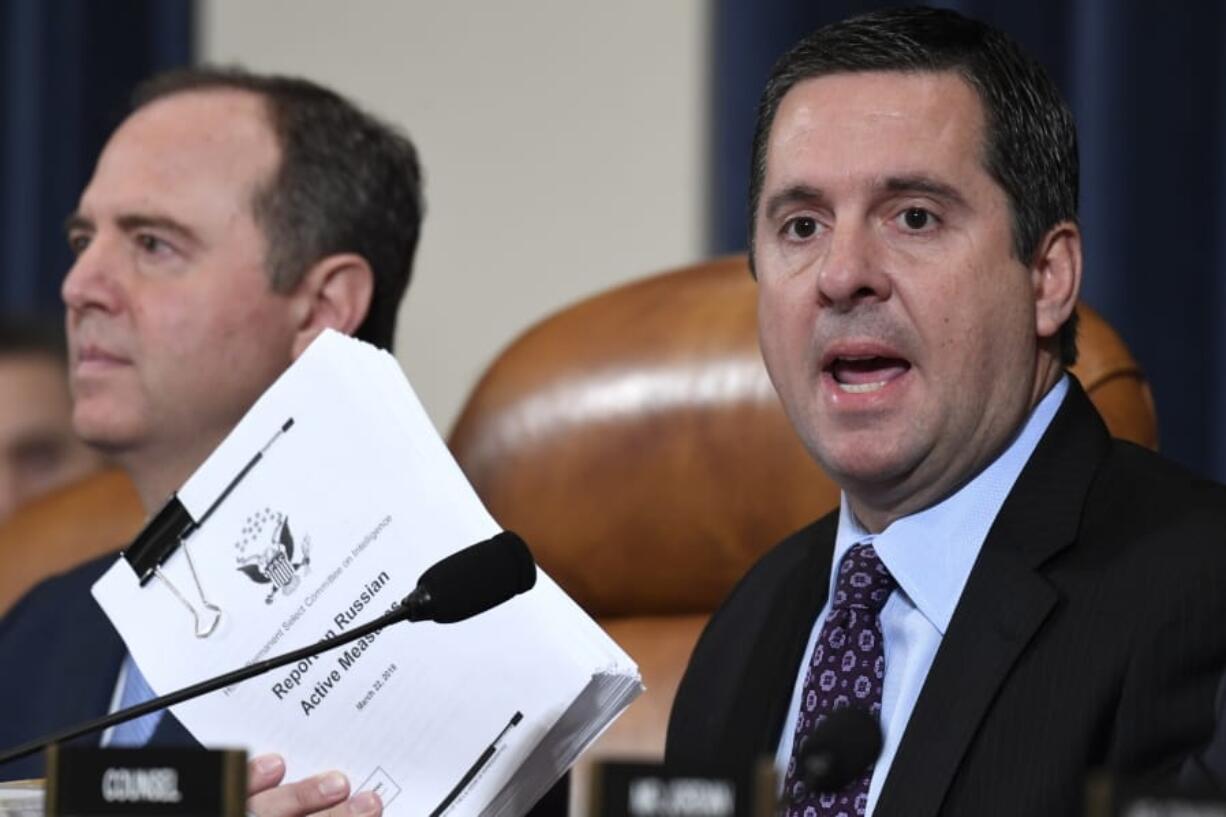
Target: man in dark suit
(230,219)
(1017,597)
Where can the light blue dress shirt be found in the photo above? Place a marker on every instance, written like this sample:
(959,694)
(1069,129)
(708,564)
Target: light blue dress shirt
(930,554)
(132,689)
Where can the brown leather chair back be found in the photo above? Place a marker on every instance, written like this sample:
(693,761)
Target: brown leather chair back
(636,443)
(65,528)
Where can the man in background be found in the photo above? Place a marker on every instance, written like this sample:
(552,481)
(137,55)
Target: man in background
(231,218)
(39,451)
(1016,598)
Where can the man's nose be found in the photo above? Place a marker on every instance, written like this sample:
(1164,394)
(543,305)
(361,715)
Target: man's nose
(93,281)
(851,272)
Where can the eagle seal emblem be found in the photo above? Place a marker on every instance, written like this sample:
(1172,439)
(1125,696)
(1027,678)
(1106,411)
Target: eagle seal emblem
(267,551)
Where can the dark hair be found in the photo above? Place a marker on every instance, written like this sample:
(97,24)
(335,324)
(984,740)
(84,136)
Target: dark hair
(33,335)
(1031,141)
(346,183)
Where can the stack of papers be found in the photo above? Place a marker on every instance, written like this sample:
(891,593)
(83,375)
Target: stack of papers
(21,798)
(346,495)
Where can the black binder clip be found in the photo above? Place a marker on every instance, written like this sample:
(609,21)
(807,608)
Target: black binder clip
(169,529)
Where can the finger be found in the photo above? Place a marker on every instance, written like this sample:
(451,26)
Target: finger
(362,804)
(301,798)
(264,772)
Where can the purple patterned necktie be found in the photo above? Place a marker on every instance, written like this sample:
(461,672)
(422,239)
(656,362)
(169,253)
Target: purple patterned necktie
(846,669)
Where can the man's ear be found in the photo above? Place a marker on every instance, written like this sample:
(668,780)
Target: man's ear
(1056,275)
(334,294)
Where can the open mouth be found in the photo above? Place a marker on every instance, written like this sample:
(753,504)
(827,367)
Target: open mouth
(865,374)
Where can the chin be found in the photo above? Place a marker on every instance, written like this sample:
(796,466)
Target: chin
(864,465)
(106,431)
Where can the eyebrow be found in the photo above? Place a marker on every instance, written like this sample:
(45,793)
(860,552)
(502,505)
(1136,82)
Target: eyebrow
(135,221)
(795,194)
(925,185)
(76,221)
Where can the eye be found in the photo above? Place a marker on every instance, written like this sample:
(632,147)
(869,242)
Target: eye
(800,228)
(77,242)
(154,246)
(917,219)
(151,243)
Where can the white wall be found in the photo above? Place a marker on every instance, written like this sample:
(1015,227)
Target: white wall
(563,141)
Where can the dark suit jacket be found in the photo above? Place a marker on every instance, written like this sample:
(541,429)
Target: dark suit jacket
(1091,633)
(59,660)
(1205,772)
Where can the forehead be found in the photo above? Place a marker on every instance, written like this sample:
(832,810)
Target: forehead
(876,124)
(202,147)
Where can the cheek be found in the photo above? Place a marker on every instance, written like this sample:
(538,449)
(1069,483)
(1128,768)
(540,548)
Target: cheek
(972,304)
(232,316)
(185,339)
(166,330)
(258,338)
(984,339)
(785,338)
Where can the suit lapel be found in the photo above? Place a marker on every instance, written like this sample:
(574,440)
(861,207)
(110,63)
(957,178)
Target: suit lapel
(77,678)
(71,658)
(753,729)
(1003,606)
(170,732)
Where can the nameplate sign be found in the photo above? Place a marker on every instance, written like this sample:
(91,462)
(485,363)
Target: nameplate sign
(149,782)
(632,789)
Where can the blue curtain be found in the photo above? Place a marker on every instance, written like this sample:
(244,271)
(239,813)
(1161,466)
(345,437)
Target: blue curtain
(69,67)
(1148,89)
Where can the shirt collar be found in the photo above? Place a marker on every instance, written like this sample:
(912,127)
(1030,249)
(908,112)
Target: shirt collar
(930,553)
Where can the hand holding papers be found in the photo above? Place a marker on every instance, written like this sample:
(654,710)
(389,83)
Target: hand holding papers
(352,497)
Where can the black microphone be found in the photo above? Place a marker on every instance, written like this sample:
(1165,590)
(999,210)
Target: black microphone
(839,750)
(468,582)
(472,580)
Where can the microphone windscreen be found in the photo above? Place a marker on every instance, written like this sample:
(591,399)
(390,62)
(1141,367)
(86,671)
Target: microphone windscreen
(840,749)
(481,576)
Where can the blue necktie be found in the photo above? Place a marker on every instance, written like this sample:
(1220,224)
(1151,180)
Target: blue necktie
(136,690)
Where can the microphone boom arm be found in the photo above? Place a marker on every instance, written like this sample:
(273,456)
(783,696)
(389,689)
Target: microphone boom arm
(503,565)
(403,611)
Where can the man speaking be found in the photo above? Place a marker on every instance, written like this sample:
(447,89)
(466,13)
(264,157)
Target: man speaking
(230,219)
(1017,597)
